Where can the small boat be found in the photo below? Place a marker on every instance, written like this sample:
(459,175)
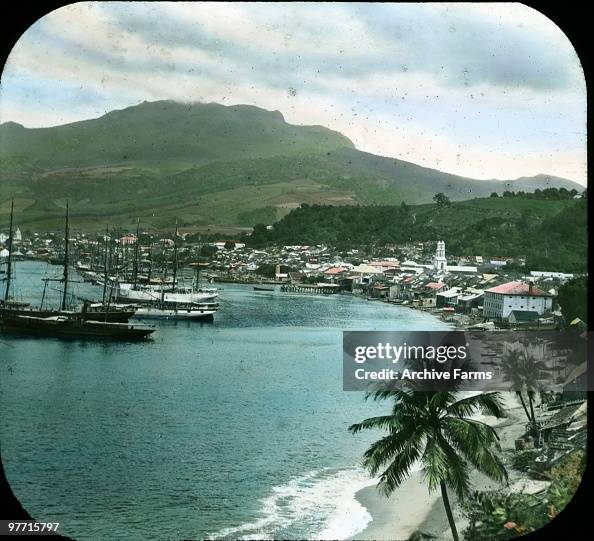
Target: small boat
(256,288)
(63,326)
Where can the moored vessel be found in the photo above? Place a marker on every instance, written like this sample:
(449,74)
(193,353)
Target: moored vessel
(74,326)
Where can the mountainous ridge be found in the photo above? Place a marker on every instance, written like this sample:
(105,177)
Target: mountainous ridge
(223,165)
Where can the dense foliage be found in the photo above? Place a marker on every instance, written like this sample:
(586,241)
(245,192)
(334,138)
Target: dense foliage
(547,193)
(573,299)
(551,234)
(501,515)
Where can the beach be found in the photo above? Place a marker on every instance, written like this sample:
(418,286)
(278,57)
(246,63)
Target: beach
(412,508)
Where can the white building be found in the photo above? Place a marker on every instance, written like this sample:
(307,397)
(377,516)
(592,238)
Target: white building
(546,274)
(440,263)
(462,269)
(17,235)
(501,300)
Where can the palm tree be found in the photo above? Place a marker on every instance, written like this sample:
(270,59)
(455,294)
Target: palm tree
(533,372)
(513,374)
(436,428)
(526,373)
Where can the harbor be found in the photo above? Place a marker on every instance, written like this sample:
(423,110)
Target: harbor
(140,431)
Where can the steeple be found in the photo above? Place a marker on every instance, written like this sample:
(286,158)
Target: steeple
(440,263)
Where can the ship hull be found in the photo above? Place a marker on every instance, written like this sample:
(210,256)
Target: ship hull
(155,313)
(112,316)
(62,327)
(144,296)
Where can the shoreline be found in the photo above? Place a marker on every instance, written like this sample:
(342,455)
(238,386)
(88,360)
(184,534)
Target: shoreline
(396,518)
(412,508)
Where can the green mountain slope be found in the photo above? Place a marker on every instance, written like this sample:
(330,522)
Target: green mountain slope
(161,132)
(209,165)
(550,234)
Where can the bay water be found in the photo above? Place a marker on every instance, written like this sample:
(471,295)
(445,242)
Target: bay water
(232,429)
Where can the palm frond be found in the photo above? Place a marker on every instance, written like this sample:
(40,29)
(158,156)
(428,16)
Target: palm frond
(385,422)
(399,469)
(441,462)
(389,447)
(486,403)
(478,443)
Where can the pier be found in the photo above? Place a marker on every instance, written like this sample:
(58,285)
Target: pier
(319,289)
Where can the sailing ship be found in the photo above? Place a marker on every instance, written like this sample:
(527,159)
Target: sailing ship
(91,310)
(163,290)
(169,310)
(21,318)
(155,302)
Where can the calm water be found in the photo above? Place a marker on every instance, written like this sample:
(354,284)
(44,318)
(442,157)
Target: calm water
(231,429)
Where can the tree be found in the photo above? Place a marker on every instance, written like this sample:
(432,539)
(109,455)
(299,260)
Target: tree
(494,194)
(511,373)
(229,245)
(573,299)
(436,428)
(526,374)
(442,200)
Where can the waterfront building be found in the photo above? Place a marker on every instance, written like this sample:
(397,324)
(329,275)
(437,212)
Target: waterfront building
(500,301)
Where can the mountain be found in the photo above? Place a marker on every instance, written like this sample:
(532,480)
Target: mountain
(208,165)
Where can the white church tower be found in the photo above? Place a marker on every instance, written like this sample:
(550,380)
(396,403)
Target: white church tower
(440,263)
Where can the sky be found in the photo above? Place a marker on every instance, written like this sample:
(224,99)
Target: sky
(485,90)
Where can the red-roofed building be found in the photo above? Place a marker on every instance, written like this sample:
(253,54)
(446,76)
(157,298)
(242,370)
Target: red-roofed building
(336,273)
(500,301)
(333,271)
(435,286)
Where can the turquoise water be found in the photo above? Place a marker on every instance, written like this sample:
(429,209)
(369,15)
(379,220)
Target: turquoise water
(231,429)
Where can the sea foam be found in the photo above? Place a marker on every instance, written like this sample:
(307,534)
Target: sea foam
(318,505)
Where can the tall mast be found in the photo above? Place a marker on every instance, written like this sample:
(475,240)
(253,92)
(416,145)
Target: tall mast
(174,257)
(197,283)
(163,282)
(150,269)
(105,272)
(9,259)
(66,235)
(136,253)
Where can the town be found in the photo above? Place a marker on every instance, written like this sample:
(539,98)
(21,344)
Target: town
(471,291)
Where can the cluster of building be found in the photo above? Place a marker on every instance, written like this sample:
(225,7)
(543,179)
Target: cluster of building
(465,293)
(468,290)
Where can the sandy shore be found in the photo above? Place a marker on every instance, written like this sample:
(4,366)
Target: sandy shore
(412,508)
(398,516)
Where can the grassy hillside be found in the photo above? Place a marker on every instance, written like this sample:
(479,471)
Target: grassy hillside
(162,132)
(551,234)
(209,165)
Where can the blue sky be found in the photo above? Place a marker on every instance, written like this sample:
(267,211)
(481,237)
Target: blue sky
(481,90)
